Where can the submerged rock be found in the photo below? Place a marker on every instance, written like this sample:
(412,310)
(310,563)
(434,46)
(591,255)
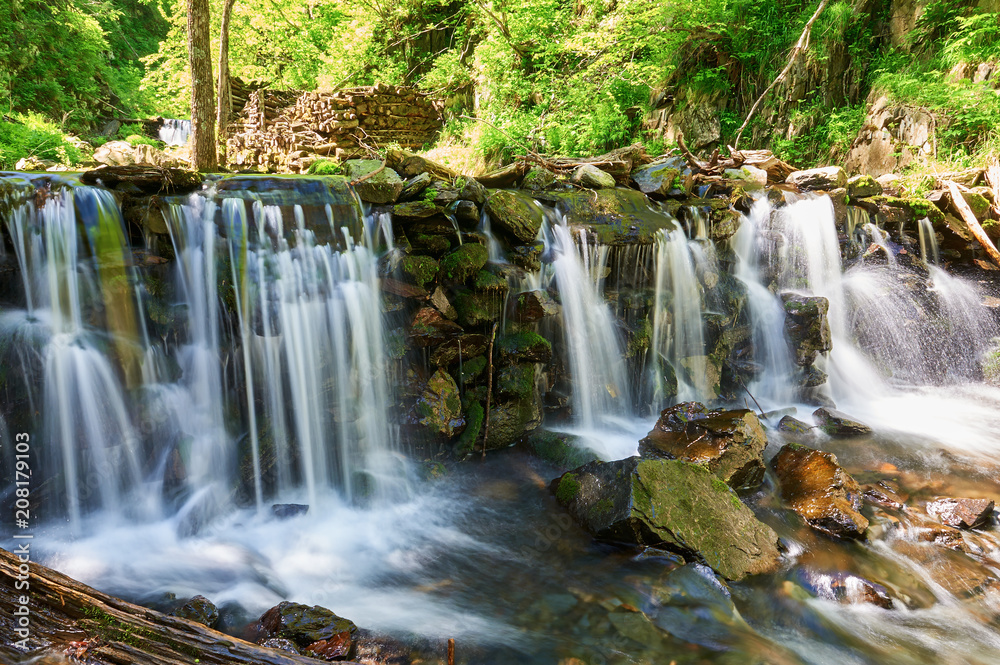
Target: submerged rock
(827,177)
(845,587)
(200,610)
(672,504)
(514,214)
(820,491)
(729,443)
(839,424)
(559,448)
(961,513)
(807,326)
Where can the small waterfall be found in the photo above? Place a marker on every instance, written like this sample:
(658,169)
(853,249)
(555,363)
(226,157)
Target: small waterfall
(677,344)
(175,132)
(594,352)
(928,242)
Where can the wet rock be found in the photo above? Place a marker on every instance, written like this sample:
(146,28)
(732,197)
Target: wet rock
(459,348)
(284,511)
(382,188)
(807,326)
(751,176)
(527,257)
(958,573)
(514,214)
(516,380)
(305,626)
(729,443)
(420,269)
(200,610)
(144,179)
(820,491)
(827,177)
(415,209)
(524,347)
(613,217)
(415,186)
(884,494)
(843,587)
(961,513)
(672,504)
(510,421)
(839,424)
(861,186)
(471,190)
(795,430)
(839,199)
(560,449)
(466,214)
(588,175)
(440,405)
(373,649)
(337,647)
(464,262)
(440,300)
(658,180)
(281,644)
(538,179)
(533,306)
(429,328)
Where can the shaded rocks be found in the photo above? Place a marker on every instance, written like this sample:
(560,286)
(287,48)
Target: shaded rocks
(729,443)
(671,504)
(200,610)
(795,429)
(827,177)
(439,406)
(514,214)
(839,424)
(807,326)
(961,513)
(588,175)
(311,629)
(815,486)
(532,306)
(380,185)
(464,262)
(524,347)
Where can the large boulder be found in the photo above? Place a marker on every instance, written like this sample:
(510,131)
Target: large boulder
(314,628)
(820,491)
(807,326)
(827,177)
(374,182)
(729,443)
(591,177)
(670,504)
(658,179)
(514,214)
(613,217)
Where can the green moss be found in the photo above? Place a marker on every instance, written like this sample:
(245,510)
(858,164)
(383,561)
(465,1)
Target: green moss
(487,281)
(568,488)
(602,508)
(420,269)
(525,346)
(471,369)
(324,167)
(639,341)
(474,416)
(464,262)
(517,380)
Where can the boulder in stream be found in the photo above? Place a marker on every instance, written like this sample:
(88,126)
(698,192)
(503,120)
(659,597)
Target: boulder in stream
(198,609)
(839,424)
(658,179)
(961,513)
(514,214)
(588,175)
(314,629)
(374,182)
(671,504)
(807,326)
(815,486)
(827,178)
(729,443)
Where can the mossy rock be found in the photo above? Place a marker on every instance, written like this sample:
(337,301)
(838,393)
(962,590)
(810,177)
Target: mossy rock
(510,421)
(658,180)
(515,215)
(538,179)
(420,269)
(516,380)
(415,209)
(615,216)
(474,416)
(382,188)
(471,370)
(863,186)
(475,308)
(525,346)
(439,407)
(559,449)
(464,262)
(905,209)
(430,244)
(305,625)
(487,281)
(673,505)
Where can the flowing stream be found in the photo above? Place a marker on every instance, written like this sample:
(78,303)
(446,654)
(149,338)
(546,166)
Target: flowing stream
(274,380)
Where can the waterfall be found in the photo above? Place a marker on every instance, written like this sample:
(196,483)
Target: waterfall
(175,132)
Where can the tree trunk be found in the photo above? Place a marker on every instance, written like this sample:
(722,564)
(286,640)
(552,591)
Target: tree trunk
(203,153)
(225,110)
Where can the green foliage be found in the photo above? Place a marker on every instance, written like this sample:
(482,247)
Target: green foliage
(324,167)
(31,135)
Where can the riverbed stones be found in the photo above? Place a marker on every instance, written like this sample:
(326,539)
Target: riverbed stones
(807,326)
(730,443)
(439,406)
(815,486)
(591,177)
(514,214)
(670,504)
(961,513)
(825,178)
(839,424)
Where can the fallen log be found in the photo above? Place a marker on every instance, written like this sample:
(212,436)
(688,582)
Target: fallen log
(970,221)
(992,174)
(69,618)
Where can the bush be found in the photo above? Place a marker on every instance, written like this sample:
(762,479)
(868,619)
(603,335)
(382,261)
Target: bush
(31,135)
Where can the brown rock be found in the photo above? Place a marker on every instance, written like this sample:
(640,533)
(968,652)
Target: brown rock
(820,491)
(884,494)
(429,328)
(961,513)
(533,306)
(335,648)
(729,443)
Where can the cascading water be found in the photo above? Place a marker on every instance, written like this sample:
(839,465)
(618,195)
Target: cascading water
(175,132)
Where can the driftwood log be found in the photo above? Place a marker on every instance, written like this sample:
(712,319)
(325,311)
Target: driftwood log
(72,622)
(970,221)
